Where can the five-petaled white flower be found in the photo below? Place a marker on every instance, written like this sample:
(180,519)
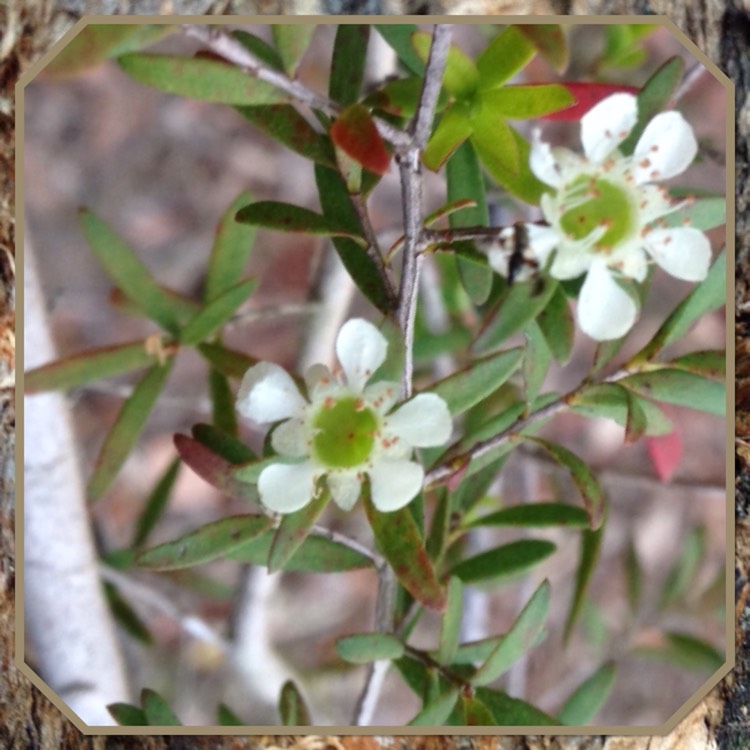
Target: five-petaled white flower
(604,211)
(344,430)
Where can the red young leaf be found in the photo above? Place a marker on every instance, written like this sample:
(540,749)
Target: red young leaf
(586,96)
(355,133)
(665,452)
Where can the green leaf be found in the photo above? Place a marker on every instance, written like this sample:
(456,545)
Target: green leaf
(550,42)
(260,49)
(400,97)
(157,710)
(95,364)
(126,616)
(200,78)
(128,273)
(519,304)
(476,714)
(293,530)
(292,41)
(127,715)
(453,128)
(155,504)
(633,575)
(450,630)
(582,705)
(223,443)
(337,208)
(228,362)
(348,62)
(363,648)
(525,102)
(292,708)
(582,476)
(285,217)
(400,542)
(460,77)
(684,650)
(216,539)
(679,387)
(216,313)
(494,139)
(464,180)
(637,421)
(512,712)
(519,639)
(591,542)
(126,429)
(398,36)
(223,413)
(470,386)
(225,717)
(681,577)
(183,307)
(556,323)
(504,561)
(622,47)
(536,361)
(535,515)
(435,712)
(710,363)
(316,555)
(230,252)
(507,54)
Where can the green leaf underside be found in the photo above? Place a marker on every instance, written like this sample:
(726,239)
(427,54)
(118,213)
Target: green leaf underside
(157,710)
(519,639)
(675,386)
(217,312)
(470,386)
(95,364)
(535,515)
(710,363)
(292,41)
(400,542)
(583,704)
(363,648)
(155,504)
(126,429)
(129,273)
(228,362)
(127,715)
(292,707)
(293,531)
(207,543)
(504,561)
(200,78)
(317,554)
(582,476)
(589,553)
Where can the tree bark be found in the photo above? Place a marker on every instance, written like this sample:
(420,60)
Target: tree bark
(27,718)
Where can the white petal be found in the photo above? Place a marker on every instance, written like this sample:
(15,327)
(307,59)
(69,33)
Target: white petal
(361,349)
(268,393)
(607,124)
(290,438)
(422,422)
(542,241)
(394,483)
(285,488)
(319,382)
(542,161)
(654,202)
(666,148)
(570,262)
(605,310)
(344,489)
(683,252)
(382,395)
(631,261)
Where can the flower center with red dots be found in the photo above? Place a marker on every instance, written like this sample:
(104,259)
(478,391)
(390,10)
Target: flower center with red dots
(344,433)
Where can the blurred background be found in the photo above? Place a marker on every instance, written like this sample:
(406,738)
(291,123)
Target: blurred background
(161,170)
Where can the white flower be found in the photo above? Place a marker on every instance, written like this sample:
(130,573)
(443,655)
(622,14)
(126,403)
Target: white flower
(604,210)
(343,430)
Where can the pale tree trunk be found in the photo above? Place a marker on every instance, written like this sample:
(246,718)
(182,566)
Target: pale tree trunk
(29,27)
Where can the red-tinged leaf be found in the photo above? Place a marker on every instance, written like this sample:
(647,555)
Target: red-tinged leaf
(355,133)
(401,543)
(586,95)
(665,452)
(212,468)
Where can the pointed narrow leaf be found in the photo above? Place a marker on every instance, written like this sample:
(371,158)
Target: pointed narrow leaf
(582,476)
(679,387)
(436,711)
(293,530)
(348,62)
(401,543)
(519,639)
(355,133)
(637,421)
(125,431)
(223,413)
(589,553)
(127,271)
(684,650)
(127,618)
(95,364)
(682,576)
(292,41)
(452,130)
(583,704)
(470,386)
(550,42)
(216,539)
(228,362)
(292,708)
(260,49)
(460,77)
(183,307)
(223,443)
(127,715)
(475,713)
(200,78)
(230,252)
(524,102)
(536,361)
(155,504)
(505,55)
(363,648)
(398,36)
(157,710)
(512,712)
(450,631)
(535,515)
(633,575)
(504,561)
(494,139)
(227,718)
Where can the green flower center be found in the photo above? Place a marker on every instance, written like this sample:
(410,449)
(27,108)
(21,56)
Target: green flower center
(344,433)
(608,207)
